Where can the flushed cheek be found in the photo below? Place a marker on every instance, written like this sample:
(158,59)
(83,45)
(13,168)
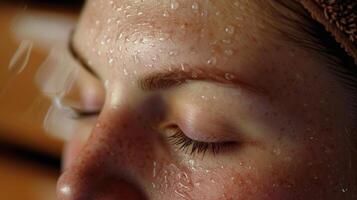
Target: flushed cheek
(306,178)
(170,181)
(224,184)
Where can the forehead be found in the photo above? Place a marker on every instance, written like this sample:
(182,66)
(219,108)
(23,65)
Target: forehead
(138,35)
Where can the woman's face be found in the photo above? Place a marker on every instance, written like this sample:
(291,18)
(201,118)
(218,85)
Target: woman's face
(202,100)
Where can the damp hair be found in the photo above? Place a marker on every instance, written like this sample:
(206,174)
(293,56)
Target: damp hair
(301,29)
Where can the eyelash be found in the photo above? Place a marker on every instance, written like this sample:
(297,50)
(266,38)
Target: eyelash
(191,146)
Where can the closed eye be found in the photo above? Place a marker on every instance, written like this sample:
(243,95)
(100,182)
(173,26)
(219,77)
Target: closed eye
(190,146)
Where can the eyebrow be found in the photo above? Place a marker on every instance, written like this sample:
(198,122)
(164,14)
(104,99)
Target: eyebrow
(175,76)
(181,75)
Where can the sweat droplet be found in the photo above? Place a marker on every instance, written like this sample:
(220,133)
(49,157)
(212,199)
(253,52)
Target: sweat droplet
(125,72)
(195,6)
(173,53)
(165,13)
(154,169)
(110,61)
(174,5)
(229,76)
(163,36)
(236,4)
(212,61)
(229,29)
(21,58)
(180,194)
(227,41)
(228,52)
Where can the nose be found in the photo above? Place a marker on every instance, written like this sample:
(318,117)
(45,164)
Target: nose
(109,164)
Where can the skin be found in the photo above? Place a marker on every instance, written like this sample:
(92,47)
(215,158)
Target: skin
(284,112)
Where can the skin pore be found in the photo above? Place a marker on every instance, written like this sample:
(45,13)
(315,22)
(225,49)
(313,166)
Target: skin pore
(268,119)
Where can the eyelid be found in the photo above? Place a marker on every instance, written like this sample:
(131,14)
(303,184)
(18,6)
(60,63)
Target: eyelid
(186,144)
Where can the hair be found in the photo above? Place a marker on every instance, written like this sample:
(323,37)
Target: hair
(303,30)
(306,32)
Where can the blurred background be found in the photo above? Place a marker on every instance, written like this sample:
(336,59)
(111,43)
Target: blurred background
(29,158)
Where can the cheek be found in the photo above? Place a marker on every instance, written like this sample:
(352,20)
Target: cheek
(295,174)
